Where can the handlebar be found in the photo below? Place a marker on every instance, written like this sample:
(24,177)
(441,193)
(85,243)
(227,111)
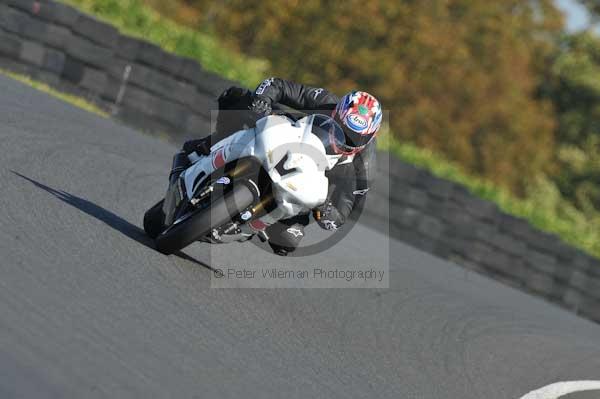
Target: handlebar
(293,114)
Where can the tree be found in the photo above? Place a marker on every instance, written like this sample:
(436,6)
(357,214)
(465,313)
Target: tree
(575,90)
(593,7)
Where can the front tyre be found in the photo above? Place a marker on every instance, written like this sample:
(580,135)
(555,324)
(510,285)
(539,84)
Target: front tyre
(154,220)
(200,224)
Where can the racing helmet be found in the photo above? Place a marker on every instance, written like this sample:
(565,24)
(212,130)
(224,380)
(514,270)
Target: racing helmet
(359,115)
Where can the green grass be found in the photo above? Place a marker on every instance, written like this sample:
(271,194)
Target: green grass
(73,100)
(133,18)
(543,208)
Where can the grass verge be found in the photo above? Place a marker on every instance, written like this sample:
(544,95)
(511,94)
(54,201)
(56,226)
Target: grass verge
(68,98)
(134,18)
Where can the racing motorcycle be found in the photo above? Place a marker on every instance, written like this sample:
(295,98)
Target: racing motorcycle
(249,181)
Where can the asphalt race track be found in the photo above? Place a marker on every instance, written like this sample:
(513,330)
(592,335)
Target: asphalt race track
(89,310)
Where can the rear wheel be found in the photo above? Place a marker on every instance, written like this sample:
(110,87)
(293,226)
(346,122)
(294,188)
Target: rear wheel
(198,225)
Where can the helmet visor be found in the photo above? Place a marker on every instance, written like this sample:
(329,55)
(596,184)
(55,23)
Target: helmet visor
(336,138)
(331,134)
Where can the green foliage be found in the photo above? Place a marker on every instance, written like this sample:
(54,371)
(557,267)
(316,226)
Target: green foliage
(135,19)
(574,87)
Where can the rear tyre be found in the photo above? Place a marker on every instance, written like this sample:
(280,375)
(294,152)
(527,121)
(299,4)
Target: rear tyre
(200,224)
(154,220)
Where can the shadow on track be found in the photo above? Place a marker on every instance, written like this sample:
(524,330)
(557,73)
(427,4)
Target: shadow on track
(107,217)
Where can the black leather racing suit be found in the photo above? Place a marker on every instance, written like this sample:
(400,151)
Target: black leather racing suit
(349,180)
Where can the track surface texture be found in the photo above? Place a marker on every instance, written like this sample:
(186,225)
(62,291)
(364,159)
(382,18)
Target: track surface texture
(88,309)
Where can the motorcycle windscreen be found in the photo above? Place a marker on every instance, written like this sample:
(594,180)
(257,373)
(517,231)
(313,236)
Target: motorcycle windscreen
(330,133)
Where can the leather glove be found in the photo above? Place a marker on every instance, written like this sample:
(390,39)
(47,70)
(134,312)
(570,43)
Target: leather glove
(201,146)
(261,106)
(328,217)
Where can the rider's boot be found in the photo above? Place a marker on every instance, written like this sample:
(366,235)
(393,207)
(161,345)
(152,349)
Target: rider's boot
(285,235)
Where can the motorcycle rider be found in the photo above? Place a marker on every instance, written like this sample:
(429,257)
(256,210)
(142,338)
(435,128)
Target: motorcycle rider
(358,113)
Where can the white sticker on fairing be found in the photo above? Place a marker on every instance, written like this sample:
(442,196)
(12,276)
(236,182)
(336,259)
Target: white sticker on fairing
(295,232)
(330,225)
(263,86)
(317,93)
(361,192)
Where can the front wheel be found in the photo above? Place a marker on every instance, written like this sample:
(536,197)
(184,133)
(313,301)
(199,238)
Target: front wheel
(154,220)
(201,223)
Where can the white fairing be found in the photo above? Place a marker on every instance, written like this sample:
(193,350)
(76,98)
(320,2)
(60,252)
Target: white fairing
(305,185)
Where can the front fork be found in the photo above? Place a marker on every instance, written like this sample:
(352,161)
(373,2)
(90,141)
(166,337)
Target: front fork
(242,171)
